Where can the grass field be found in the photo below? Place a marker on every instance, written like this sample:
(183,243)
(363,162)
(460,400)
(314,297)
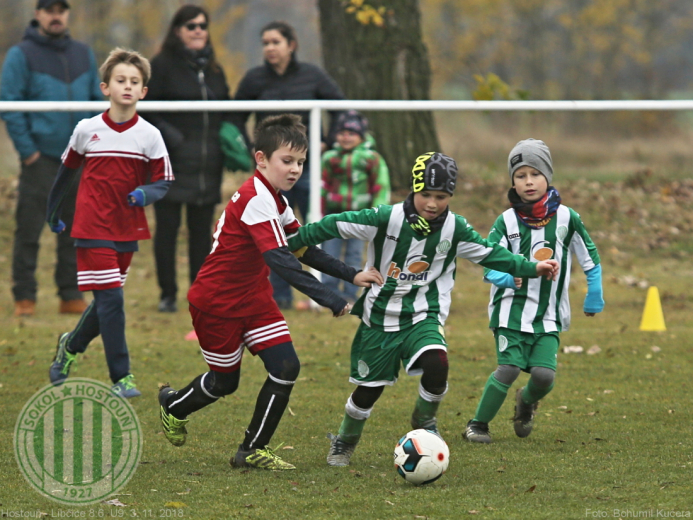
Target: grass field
(612,439)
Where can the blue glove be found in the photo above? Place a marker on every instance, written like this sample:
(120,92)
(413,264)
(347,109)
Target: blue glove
(136,198)
(501,280)
(594,301)
(58,227)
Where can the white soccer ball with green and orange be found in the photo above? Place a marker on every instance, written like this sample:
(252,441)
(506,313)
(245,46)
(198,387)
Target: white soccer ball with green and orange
(421,457)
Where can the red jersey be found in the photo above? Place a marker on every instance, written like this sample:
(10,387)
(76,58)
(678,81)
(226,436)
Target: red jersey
(233,281)
(117,159)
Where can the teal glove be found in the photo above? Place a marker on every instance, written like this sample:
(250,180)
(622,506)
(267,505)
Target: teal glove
(594,301)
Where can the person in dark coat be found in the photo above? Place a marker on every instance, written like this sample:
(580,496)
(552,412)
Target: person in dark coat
(282,77)
(184,70)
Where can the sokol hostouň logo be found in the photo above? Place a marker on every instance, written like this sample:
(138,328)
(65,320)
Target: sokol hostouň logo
(77,443)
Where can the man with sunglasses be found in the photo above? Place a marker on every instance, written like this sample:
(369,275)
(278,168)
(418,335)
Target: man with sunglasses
(47,65)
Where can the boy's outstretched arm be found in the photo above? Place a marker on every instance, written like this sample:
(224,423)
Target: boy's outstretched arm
(318,259)
(282,262)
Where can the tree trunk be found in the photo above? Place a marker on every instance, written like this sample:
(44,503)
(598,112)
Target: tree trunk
(383,62)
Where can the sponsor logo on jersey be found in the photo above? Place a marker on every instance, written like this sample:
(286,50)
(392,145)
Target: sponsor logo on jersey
(540,252)
(95,138)
(514,235)
(363,368)
(390,237)
(444,246)
(561,232)
(502,343)
(413,271)
(235,196)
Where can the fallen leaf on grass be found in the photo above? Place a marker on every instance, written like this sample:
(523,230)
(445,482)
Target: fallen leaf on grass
(293,483)
(473,512)
(560,440)
(531,490)
(389,503)
(573,349)
(501,469)
(186,492)
(608,391)
(175,505)
(114,502)
(287,447)
(195,473)
(594,349)
(291,412)
(591,414)
(655,349)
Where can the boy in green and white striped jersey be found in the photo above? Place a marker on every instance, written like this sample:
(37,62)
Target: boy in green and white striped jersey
(414,245)
(527,316)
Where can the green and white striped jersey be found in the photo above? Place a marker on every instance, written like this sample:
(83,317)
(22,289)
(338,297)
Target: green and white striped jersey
(419,271)
(540,305)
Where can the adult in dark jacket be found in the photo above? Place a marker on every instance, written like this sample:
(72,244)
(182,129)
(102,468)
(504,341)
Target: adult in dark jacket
(184,70)
(47,65)
(281,77)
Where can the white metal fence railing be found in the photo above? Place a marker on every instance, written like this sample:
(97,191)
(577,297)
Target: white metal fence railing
(315,107)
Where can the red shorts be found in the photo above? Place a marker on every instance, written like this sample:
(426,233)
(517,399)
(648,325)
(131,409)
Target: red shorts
(100,268)
(222,339)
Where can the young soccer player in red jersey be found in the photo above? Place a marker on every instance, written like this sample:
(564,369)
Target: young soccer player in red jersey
(119,151)
(231,299)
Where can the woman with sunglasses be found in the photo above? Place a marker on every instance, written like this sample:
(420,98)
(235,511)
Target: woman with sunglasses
(281,77)
(184,70)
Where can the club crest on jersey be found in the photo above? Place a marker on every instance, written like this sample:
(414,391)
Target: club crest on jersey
(444,246)
(540,252)
(413,271)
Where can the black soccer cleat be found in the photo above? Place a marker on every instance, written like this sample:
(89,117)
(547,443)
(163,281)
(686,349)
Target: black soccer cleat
(477,431)
(523,422)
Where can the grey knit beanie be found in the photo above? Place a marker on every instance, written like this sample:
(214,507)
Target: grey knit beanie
(534,153)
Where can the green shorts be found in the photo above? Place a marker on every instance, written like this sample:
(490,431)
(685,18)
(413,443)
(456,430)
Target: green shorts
(526,350)
(376,355)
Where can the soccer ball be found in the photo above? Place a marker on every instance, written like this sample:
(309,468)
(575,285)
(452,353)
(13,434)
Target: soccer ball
(421,457)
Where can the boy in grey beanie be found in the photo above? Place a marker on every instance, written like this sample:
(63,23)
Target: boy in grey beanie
(527,316)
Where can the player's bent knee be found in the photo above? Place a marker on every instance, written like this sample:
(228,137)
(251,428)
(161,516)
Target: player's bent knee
(506,374)
(220,384)
(281,363)
(434,364)
(543,377)
(365,396)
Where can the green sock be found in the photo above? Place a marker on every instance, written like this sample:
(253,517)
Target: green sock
(350,430)
(424,411)
(491,400)
(532,393)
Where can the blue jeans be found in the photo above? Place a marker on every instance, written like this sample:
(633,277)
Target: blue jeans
(348,250)
(299,199)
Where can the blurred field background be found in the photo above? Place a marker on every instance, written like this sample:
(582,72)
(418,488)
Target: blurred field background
(615,432)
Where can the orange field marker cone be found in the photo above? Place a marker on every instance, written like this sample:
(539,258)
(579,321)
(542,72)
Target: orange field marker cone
(652,316)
